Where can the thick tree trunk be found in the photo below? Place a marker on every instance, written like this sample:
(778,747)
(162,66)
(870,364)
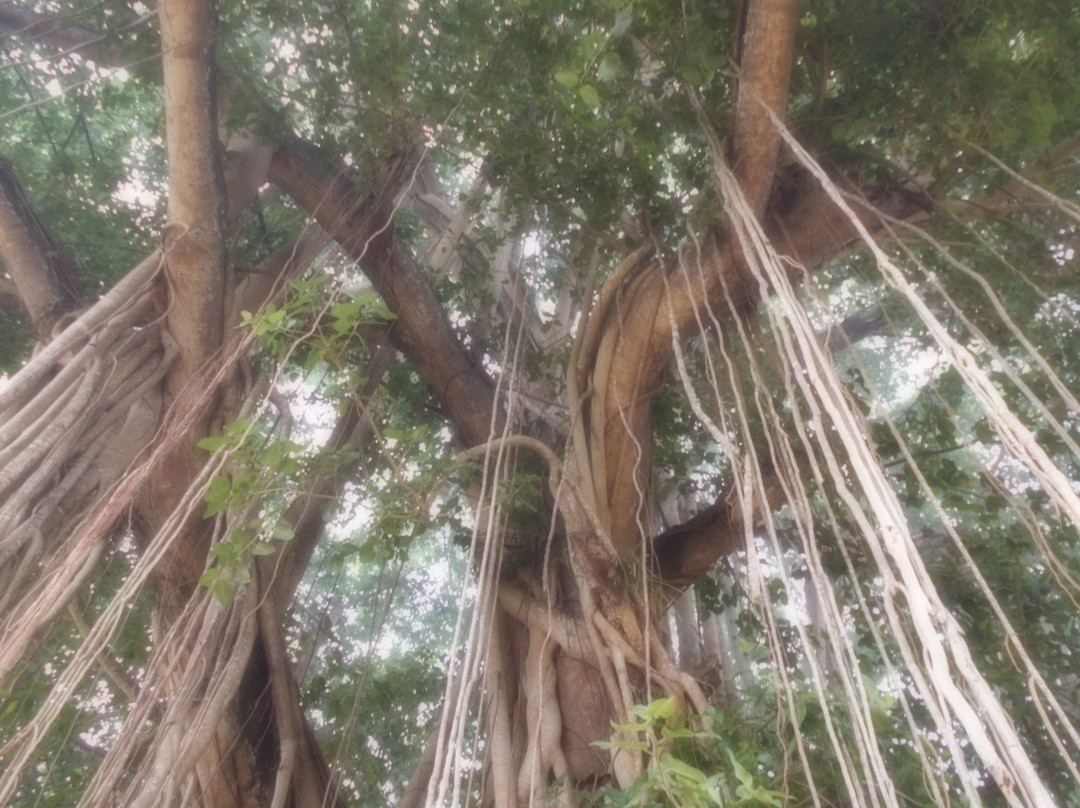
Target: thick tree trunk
(577,663)
(576,638)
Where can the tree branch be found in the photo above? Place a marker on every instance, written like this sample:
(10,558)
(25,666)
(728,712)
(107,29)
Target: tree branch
(705,277)
(685,552)
(193,239)
(766,54)
(363,227)
(44,275)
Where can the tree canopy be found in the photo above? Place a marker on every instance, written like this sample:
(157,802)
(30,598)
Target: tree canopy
(546,402)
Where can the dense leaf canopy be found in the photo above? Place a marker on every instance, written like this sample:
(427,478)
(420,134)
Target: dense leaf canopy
(725,375)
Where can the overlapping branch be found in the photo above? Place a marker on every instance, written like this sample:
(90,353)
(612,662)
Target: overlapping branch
(364,228)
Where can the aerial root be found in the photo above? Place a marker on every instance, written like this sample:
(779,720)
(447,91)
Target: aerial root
(282,693)
(126,305)
(551,632)
(61,445)
(543,752)
(498,721)
(202,660)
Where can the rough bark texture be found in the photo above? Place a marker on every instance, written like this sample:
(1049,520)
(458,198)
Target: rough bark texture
(557,661)
(194,239)
(364,228)
(765,57)
(628,348)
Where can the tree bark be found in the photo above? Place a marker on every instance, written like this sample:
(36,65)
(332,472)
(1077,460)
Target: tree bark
(45,276)
(764,71)
(364,228)
(194,240)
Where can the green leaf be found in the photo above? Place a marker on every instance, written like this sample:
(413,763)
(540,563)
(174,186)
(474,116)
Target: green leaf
(375,307)
(223,590)
(227,552)
(217,496)
(622,23)
(681,732)
(589,95)
(661,708)
(207,578)
(638,746)
(238,428)
(682,769)
(212,443)
(610,67)
(262,548)
(283,531)
(567,78)
(366,552)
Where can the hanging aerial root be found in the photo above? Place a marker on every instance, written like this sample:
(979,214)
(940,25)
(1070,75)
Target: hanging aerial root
(199,700)
(74,418)
(497,708)
(52,591)
(126,304)
(946,659)
(543,752)
(282,695)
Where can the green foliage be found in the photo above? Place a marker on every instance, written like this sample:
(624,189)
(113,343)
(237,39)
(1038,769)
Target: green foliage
(575,113)
(691,763)
(257,470)
(320,333)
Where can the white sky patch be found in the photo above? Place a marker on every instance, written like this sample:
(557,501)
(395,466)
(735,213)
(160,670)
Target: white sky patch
(530,246)
(136,195)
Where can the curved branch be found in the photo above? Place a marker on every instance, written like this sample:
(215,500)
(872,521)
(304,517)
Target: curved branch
(809,231)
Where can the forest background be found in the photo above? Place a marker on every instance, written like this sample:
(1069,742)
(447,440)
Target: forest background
(593,403)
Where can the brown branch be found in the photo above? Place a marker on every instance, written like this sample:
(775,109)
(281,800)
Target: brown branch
(193,239)
(683,553)
(362,225)
(707,275)
(193,269)
(766,53)
(812,231)
(44,275)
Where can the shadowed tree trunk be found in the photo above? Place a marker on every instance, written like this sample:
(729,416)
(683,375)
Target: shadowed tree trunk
(105,431)
(587,645)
